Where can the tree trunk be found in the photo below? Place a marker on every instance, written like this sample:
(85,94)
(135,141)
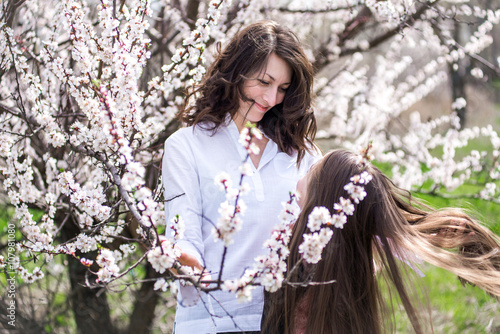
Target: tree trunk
(494,52)
(458,80)
(192,12)
(146,299)
(90,306)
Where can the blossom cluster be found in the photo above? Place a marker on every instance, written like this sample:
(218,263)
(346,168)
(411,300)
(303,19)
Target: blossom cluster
(269,269)
(108,267)
(247,133)
(242,287)
(234,207)
(89,201)
(28,277)
(164,256)
(272,267)
(320,221)
(231,210)
(164,285)
(177,226)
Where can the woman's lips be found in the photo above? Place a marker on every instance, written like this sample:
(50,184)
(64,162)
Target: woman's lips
(261,107)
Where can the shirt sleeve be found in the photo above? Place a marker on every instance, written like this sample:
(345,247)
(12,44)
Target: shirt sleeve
(182,193)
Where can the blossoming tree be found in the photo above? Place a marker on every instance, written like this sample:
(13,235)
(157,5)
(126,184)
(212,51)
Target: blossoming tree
(90,89)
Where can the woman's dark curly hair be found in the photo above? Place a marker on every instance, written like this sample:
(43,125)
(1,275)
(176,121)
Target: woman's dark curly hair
(290,124)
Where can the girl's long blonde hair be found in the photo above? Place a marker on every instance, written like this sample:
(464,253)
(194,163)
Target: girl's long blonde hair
(386,227)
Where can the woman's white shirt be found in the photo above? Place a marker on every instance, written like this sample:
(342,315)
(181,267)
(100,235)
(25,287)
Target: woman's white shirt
(192,158)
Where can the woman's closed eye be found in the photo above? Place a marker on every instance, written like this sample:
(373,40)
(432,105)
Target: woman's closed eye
(267,83)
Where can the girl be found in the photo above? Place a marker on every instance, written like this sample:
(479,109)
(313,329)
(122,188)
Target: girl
(386,226)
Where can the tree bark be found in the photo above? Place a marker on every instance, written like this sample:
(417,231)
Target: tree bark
(90,306)
(192,12)
(146,299)
(457,76)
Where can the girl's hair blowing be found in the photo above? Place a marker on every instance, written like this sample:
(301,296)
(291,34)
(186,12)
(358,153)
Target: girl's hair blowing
(387,226)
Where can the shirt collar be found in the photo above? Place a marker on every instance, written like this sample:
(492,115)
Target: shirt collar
(269,152)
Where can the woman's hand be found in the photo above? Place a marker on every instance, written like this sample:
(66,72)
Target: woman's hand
(186,259)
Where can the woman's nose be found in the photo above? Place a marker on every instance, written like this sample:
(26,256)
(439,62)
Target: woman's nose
(271,96)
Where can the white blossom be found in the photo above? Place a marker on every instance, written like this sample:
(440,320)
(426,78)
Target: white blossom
(477,73)
(459,103)
(243,291)
(344,205)
(318,217)
(357,193)
(178,227)
(108,267)
(164,256)
(161,284)
(246,169)
(313,244)
(338,220)
(223,180)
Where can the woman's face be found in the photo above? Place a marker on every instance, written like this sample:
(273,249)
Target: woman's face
(265,89)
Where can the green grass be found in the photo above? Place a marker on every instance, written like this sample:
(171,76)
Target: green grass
(460,309)
(454,308)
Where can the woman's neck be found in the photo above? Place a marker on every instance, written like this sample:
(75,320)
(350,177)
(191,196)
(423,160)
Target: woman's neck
(261,143)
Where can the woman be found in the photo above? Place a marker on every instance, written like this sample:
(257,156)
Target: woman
(262,77)
(385,227)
